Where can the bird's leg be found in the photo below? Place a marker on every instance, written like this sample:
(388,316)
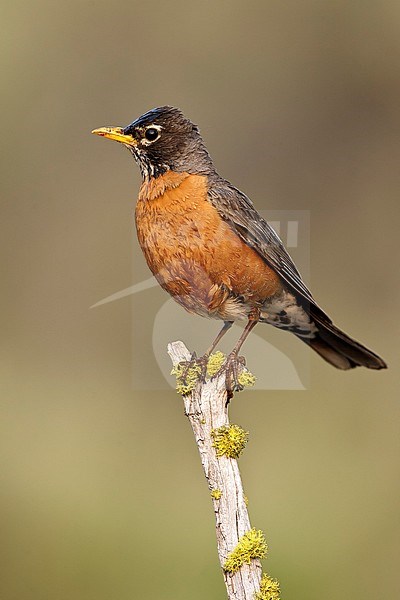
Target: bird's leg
(227,325)
(234,361)
(203,360)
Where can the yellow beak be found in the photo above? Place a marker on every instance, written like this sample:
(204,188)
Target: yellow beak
(115,133)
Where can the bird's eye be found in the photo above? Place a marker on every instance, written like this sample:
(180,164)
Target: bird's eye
(152,134)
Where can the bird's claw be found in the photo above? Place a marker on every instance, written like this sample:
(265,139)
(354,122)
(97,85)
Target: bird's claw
(232,369)
(199,364)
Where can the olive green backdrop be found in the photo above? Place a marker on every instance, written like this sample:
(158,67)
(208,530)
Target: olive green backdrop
(102,494)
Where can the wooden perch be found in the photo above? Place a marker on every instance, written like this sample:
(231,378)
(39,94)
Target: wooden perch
(239,546)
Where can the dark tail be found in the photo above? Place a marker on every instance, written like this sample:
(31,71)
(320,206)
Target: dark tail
(342,351)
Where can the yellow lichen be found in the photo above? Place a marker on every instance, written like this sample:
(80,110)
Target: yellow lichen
(269,589)
(229,440)
(216,494)
(215,362)
(246,379)
(187,377)
(250,546)
(246,500)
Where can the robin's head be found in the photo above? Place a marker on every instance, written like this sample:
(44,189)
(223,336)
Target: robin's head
(163,139)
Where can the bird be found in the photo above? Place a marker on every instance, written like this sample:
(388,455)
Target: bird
(210,249)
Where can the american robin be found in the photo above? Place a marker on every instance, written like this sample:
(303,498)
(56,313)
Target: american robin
(210,249)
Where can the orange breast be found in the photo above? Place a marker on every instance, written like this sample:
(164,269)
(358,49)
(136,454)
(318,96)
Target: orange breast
(194,254)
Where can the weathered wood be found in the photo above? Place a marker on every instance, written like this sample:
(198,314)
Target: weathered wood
(207,409)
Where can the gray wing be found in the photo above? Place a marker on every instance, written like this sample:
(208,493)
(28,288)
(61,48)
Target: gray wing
(331,343)
(238,210)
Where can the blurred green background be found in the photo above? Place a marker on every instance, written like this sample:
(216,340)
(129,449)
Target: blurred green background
(102,494)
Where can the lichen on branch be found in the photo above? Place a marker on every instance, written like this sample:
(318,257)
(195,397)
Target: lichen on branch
(215,363)
(229,440)
(251,545)
(269,589)
(186,377)
(216,494)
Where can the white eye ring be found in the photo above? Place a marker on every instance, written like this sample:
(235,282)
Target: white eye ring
(151,134)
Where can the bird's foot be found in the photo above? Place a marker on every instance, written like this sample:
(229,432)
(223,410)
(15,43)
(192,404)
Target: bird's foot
(192,371)
(232,367)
